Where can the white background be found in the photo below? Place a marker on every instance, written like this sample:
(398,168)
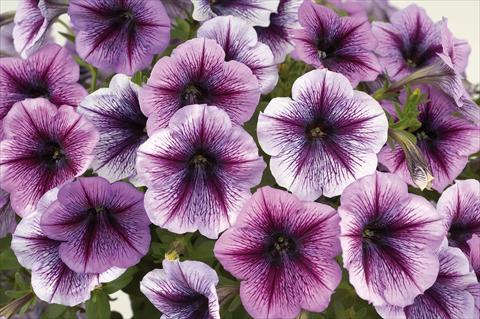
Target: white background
(463,20)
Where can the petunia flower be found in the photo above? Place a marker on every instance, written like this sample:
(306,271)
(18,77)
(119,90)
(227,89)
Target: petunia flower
(43,148)
(50,73)
(100,225)
(7,215)
(389,240)
(459,205)
(177,8)
(52,280)
(412,41)
(254,12)
(199,171)
(183,290)
(115,112)
(449,296)
(324,138)
(33,20)
(119,36)
(340,44)
(197,73)
(380,10)
(278,34)
(239,41)
(474,289)
(283,252)
(445,140)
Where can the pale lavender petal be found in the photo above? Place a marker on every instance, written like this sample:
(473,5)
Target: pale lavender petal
(199,171)
(7,215)
(183,290)
(116,114)
(239,41)
(255,12)
(324,138)
(389,240)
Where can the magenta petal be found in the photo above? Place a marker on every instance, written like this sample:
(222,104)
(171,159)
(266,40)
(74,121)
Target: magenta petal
(50,73)
(340,44)
(52,280)
(119,37)
(449,297)
(43,148)
(196,73)
(100,225)
(282,250)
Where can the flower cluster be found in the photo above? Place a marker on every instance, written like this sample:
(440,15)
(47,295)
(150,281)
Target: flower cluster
(236,159)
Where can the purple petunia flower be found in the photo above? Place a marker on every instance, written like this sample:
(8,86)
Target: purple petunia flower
(183,290)
(43,148)
(324,138)
(389,240)
(239,41)
(115,112)
(100,225)
(7,215)
(445,140)
(177,8)
(199,171)
(52,280)
(283,252)
(33,20)
(412,41)
(459,206)
(255,12)
(474,247)
(278,34)
(340,44)
(50,73)
(197,73)
(474,289)
(448,298)
(370,9)
(119,36)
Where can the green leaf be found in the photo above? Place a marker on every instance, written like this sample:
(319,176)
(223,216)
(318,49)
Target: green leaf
(20,281)
(16,293)
(54,311)
(120,282)
(98,307)
(67,36)
(181,30)
(8,261)
(234,304)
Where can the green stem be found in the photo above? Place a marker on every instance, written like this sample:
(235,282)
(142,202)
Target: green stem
(93,71)
(66,26)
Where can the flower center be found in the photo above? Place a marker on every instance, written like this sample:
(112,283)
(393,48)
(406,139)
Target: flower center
(194,94)
(316,130)
(424,133)
(281,246)
(459,234)
(37,89)
(202,159)
(325,48)
(51,154)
